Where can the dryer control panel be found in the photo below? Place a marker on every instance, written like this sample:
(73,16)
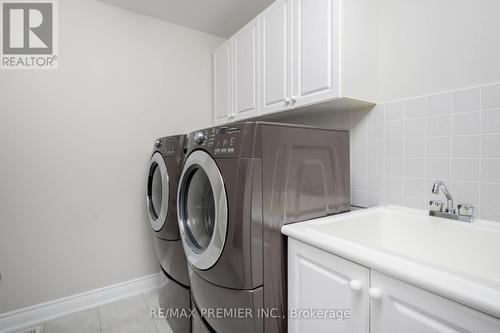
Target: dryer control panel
(223,141)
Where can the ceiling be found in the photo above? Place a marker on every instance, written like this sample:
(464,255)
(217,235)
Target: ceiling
(217,17)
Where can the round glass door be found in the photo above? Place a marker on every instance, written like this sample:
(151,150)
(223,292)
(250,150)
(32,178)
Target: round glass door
(157,192)
(202,209)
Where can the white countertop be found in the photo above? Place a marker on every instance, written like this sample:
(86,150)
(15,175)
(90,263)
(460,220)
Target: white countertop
(457,260)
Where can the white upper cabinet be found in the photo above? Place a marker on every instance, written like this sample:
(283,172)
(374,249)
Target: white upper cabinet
(222,82)
(302,52)
(276,55)
(246,71)
(316,58)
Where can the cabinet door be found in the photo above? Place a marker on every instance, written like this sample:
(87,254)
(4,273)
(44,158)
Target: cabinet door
(405,308)
(246,71)
(222,82)
(276,53)
(316,27)
(319,280)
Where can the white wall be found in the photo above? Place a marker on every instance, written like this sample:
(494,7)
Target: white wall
(428,46)
(75,144)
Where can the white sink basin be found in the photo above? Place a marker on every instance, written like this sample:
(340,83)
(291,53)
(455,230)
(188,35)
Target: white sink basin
(454,259)
(469,248)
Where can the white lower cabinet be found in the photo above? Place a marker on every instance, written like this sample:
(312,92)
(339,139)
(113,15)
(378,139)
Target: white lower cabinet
(318,280)
(378,303)
(406,308)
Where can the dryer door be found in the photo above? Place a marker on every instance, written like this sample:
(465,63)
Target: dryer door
(202,210)
(157,192)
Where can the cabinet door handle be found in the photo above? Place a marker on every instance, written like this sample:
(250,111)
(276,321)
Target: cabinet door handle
(375,293)
(287,100)
(294,99)
(355,285)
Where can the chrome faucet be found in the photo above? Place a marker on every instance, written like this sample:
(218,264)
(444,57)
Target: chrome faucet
(463,212)
(449,199)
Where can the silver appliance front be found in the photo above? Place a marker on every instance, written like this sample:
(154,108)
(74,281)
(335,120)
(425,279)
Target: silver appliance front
(157,192)
(202,210)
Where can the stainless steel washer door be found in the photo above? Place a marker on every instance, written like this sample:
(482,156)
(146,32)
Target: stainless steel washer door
(157,192)
(202,210)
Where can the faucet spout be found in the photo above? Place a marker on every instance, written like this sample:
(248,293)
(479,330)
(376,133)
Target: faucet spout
(438,184)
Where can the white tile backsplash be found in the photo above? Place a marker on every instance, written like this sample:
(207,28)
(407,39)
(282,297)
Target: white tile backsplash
(394,148)
(375,148)
(489,213)
(415,187)
(375,184)
(414,167)
(376,114)
(358,166)
(490,171)
(490,194)
(358,149)
(439,104)
(466,146)
(393,200)
(415,107)
(358,182)
(376,130)
(374,199)
(490,121)
(465,192)
(394,129)
(466,100)
(375,166)
(359,198)
(490,96)
(394,167)
(394,111)
(414,148)
(398,149)
(490,146)
(438,125)
(417,203)
(439,147)
(394,186)
(465,169)
(466,123)
(438,168)
(415,128)
(359,131)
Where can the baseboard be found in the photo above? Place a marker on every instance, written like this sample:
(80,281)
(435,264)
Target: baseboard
(43,312)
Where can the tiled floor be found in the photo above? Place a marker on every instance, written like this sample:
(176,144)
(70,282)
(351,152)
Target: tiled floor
(130,315)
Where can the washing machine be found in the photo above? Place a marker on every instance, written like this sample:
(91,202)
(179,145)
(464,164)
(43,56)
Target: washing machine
(239,184)
(163,177)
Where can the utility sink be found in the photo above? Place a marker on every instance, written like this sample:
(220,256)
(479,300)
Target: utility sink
(470,249)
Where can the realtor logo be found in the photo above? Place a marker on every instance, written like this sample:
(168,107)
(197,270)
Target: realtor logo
(28,34)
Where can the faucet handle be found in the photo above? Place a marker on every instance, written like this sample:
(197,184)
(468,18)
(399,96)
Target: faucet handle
(465,210)
(436,205)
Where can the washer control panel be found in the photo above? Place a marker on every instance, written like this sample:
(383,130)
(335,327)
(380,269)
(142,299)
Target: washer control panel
(224,141)
(169,146)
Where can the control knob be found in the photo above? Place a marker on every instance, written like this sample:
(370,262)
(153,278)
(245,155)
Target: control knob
(199,137)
